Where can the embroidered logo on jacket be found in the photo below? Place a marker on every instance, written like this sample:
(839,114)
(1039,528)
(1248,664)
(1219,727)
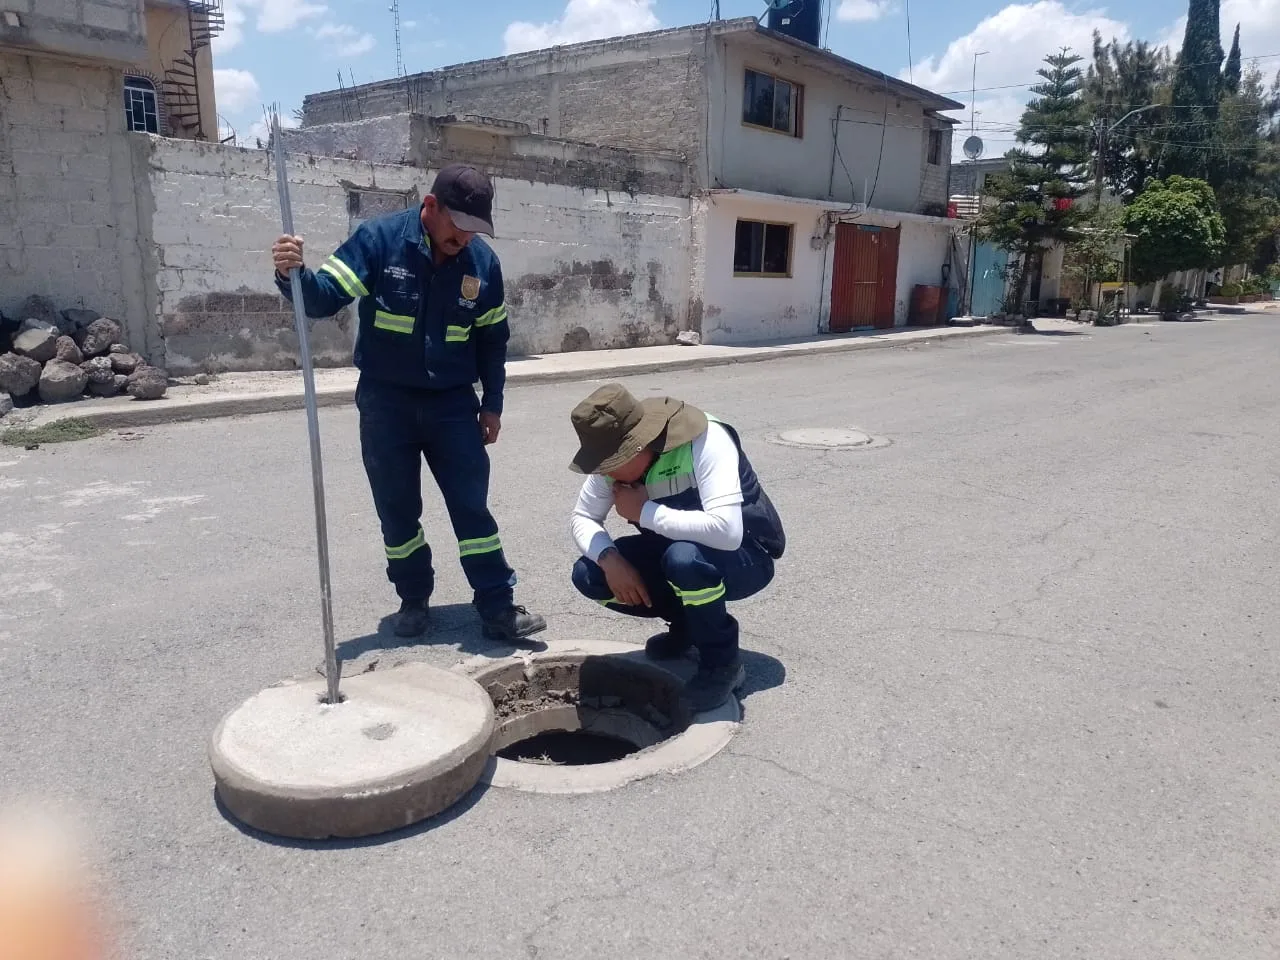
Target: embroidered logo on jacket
(470,287)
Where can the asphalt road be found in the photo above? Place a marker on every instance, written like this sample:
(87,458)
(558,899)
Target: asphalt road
(1013,694)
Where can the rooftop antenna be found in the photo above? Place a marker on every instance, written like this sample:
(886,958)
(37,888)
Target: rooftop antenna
(395,16)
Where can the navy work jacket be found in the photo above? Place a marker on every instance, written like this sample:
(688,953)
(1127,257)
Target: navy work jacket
(422,326)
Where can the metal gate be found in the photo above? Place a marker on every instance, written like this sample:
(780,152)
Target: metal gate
(864,280)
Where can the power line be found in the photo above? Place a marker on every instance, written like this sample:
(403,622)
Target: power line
(911,78)
(1037,82)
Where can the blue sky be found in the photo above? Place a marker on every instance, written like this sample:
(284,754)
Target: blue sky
(279,50)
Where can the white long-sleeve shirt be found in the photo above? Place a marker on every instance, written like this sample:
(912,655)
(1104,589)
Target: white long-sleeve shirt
(717,525)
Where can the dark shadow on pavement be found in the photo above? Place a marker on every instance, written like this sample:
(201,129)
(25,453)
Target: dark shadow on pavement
(441,819)
(763,673)
(1057,333)
(453,624)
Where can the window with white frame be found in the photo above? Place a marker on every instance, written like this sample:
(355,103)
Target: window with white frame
(141,106)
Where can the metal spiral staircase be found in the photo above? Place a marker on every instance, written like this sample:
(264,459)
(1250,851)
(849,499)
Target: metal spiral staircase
(181,84)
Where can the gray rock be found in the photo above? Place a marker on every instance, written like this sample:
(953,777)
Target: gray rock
(148,383)
(18,375)
(98,337)
(6,404)
(202,380)
(107,388)
(31,323)
(99,370)
(40,345)
(39,308)
(61,381)
(121,382)
(124,363)
(76,319)
(689,338)
(68,351)
(118,348)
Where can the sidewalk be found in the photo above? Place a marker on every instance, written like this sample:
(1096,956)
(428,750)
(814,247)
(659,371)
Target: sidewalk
(240,394)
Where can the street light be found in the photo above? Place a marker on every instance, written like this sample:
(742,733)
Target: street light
(1104,131)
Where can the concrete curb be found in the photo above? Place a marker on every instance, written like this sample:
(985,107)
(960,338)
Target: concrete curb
(158,412)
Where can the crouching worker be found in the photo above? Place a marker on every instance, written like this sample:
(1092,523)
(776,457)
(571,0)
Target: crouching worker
(707,532)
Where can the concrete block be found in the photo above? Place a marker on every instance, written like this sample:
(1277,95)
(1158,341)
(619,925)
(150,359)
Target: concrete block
(57,94)
(110,17)
(17,89)
(92,168)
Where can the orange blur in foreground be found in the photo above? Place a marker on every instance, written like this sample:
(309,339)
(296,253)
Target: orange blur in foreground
(46,908)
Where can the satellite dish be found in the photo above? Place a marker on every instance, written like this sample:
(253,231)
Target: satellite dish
(973,148)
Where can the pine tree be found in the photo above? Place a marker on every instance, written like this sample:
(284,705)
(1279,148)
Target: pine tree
(1231,72)
(1124,79)
(1197,86)
(1034,204)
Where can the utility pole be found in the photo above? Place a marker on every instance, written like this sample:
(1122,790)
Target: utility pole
(973,95)
(1103,134)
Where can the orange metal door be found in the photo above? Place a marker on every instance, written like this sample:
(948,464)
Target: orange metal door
(864,277)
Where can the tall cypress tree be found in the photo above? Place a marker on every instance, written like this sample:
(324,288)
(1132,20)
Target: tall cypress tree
(1231,73)
(1197,85)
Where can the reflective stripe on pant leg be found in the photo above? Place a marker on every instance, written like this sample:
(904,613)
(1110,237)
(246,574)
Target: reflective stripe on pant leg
(472,548)
(699,598)
(406,550)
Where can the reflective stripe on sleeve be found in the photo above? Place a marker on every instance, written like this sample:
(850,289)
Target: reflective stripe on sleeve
(345,276)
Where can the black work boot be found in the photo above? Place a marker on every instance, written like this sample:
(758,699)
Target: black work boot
(512,625)
(671,645)
(711,687)
(412,621)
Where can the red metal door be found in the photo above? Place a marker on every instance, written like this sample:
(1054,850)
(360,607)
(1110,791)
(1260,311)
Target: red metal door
(887,294)
(864,278)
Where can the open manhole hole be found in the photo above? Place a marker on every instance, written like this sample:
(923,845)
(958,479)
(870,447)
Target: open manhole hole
(587,720)
(582,710)
(829,438)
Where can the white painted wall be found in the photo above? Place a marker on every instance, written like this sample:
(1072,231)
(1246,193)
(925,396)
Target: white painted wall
(754,159)
(753,309)
(583,269)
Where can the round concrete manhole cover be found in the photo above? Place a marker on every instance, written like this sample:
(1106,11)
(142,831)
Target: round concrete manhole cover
(828,438)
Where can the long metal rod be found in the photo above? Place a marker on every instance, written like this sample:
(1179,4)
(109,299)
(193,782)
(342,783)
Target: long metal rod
(313,419)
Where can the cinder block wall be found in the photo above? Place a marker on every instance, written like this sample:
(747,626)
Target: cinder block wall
(641,93)
(583,269)
(936,187)
(69,211)
(96,29)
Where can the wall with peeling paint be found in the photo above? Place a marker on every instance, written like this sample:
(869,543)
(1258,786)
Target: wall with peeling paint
(583,269)
(753,309)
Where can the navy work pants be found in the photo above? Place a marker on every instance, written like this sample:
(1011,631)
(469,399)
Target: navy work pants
(401,427)
(689,586)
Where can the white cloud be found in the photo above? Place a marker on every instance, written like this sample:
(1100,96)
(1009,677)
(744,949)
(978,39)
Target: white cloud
(410,24)
(345,40)
(235,89)
(260,130)
(233,31)
(1016,40)
(276,16)
(270,16)
(583,20)
(859,11)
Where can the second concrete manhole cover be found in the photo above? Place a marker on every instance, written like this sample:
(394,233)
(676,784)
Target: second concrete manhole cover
(828,438)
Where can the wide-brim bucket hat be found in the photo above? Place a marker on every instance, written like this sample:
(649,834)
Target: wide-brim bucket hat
(613,427)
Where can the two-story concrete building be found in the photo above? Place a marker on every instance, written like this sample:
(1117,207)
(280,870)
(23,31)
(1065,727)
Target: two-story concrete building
(76,76)
(820,186)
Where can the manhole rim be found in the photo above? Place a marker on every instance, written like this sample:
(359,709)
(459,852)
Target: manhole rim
(873,441)
(707,735)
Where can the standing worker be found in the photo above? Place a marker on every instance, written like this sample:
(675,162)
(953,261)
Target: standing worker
(432,323)
(708,533)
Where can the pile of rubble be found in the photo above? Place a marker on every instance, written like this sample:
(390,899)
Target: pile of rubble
(52,357)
